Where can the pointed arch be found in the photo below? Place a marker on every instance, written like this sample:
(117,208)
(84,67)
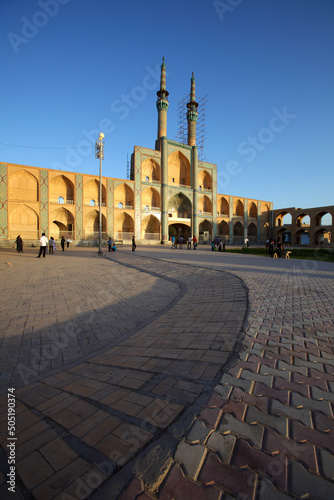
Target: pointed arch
(205,229)
(61,222)
(124,226)
(179,171)
(123,194)
(238,232)
(23,220)
(23,186)
(61,186)
(252,232)
(205,205)
(283,218)
(303,220)
(204,180)
(150,170)
(62,215)
(223,206)
(91,192)
(223,228)
(323,219)
(238,208)
(150,197)
(252,210)
(150,228)
(91,224)
(179,206)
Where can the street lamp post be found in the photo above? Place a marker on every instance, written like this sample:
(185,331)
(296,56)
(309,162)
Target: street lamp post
(99,153)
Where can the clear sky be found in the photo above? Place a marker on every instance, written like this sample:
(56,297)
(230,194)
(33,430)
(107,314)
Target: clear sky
(72,68)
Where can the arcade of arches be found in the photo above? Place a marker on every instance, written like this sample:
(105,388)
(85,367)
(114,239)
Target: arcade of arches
(59,203)
(297,226)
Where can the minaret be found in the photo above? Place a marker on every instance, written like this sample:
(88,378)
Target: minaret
(162,103)
(192,114)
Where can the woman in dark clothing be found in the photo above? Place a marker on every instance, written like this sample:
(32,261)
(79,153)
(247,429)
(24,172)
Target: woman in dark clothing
(19,244)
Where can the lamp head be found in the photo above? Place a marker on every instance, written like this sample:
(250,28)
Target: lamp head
(101,136)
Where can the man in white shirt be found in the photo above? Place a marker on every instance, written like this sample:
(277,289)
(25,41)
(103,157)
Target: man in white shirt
(43,244)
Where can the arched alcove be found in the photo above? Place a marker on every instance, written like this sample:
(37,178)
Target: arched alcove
(238,232)
(223,230)
(123,194)
(61,223)
(150,228)
(223,206)
(124,226)
(238,208)
(150,197)
(252,210)
(179,171)
(23,186)
(150,170)
(205,205)
(252,232)
(179,206)
(61,186)
(23,220)
(91,192)
(91,224)
(204,180)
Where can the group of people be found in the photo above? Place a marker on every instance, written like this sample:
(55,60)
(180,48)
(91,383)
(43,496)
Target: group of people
(217,245)
(273,248)
(51,245)
(179,242)
(111,245)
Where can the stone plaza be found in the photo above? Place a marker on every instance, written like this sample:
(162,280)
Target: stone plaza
(166,374)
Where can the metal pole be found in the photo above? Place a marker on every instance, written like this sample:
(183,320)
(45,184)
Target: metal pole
(99,154)
(100,200)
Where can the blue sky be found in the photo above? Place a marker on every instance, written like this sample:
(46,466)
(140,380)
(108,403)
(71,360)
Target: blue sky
(74,67)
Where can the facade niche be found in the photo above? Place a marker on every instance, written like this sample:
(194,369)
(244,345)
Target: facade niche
(23,186)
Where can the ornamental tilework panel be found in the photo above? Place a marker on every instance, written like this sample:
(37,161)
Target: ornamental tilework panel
(44,179)
(3,201)
(110,207)
(78,207)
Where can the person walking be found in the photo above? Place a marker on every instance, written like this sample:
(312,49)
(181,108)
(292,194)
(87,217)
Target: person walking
(62,242)
(68,241)
(134,246)
(51,243)
(43,242)
(19,244)
(109,244)
(189,243)
(194,242)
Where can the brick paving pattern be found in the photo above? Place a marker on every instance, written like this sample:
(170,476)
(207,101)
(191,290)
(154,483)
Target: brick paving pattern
(181,377)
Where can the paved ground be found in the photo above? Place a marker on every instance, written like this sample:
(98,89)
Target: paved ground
(167,374)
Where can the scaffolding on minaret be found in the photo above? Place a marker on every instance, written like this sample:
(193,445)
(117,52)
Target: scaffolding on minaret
(127,167)
(201,136)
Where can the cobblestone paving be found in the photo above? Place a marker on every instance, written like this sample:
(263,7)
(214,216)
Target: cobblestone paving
(167,412)
(57,310)
(267,431)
